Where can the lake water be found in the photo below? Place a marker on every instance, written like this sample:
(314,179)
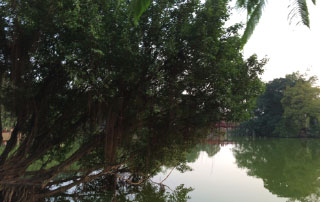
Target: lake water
(244,170)
(263,170)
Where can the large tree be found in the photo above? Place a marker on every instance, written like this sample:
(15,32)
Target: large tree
(288,107)
(269,110)
(85,86)
(301,110)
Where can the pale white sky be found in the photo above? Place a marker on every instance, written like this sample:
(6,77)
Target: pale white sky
(289,48)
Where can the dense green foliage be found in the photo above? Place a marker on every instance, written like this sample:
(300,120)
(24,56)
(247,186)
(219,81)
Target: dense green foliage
(301,105)
(289,107)
(81,71)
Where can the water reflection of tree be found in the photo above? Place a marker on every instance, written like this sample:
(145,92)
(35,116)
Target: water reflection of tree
(131,181)
(288,167)
(133,168)
(210,149)
(146,193)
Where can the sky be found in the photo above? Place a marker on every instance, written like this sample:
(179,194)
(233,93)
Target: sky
(289,47)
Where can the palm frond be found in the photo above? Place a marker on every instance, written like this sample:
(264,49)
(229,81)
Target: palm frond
(299,9)
(241,3)
(252,4)
(254,12)
(303,12)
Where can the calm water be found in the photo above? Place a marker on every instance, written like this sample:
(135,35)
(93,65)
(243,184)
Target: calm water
(260,170)
(268,170)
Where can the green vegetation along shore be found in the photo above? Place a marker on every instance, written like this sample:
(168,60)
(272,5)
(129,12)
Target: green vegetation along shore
(289,107)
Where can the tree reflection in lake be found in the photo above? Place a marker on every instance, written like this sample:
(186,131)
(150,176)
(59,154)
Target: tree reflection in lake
(210,149)
(134,166)
(288,167)
(133,181)
(92,192)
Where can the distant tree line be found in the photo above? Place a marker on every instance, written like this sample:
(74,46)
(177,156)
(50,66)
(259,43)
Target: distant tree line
(289,107)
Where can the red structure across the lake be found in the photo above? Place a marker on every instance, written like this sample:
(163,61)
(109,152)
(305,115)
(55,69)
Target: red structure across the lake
(224,124)
(221,132)
(219,141)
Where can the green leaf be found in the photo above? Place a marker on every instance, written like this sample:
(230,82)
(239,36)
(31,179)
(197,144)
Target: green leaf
(138,8)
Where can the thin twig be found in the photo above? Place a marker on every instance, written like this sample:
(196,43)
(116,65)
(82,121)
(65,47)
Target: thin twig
(167,175)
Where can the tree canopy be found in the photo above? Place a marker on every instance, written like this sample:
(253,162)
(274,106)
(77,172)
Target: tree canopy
(88,90)
(301,115)
(289,107)
(254,9)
